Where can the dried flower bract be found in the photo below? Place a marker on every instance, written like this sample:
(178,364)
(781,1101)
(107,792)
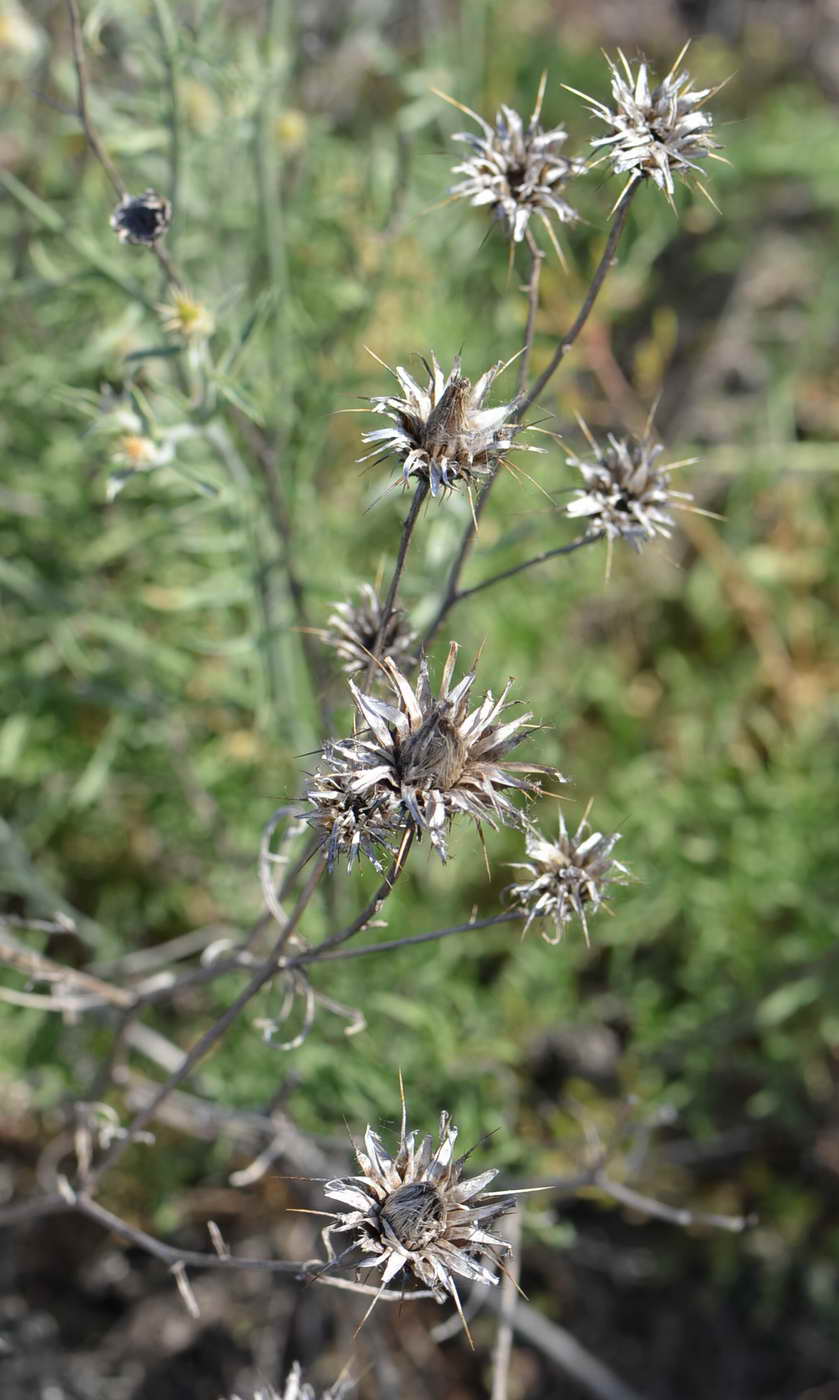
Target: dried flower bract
(142,218)
(442,433)
(353,629)
(658,133)
(518,170)
(625,494)
(414,1211)
(296,1388)
(424,760)
(567,875)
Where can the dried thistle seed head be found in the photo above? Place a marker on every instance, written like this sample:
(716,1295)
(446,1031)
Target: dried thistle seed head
(347,820)
(414,1211)
(517,170)
(567,874)
(142,218)
(442,433)
(186,317)
(353,628)
(296,1388)
(657,132)
(625,495)
(423,759)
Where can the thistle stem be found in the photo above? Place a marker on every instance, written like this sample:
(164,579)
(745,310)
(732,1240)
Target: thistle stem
(457,595)
(600,274)
(536,259)
(92,136)
(371,910)
(402,554)
(528,564)
(90,132)
(453,593)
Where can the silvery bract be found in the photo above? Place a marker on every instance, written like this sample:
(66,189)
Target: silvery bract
(517,170)
(353,628)
(421,759)
(413,1214)
(296,1388)
(442,433)
(568,876)
(625,494)
(657,132)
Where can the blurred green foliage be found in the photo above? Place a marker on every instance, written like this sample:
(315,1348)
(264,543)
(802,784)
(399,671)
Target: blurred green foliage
(154,700)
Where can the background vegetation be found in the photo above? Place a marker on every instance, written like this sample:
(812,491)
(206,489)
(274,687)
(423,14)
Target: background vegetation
(155,706)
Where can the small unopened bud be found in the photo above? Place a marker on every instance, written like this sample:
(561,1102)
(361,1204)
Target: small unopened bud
(142,218)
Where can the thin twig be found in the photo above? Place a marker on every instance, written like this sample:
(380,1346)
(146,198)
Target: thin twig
(600,274)
(536,259)
(43,969)
(315,955)
(410,521)
(676,1215)
(209,1038)
(564,1350)
(309,1269)
(371,910)
(451,599)
(528,564)
(452,589)
(453,580)
(90,132)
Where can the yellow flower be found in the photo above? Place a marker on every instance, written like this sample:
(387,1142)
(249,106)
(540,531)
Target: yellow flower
(187,317)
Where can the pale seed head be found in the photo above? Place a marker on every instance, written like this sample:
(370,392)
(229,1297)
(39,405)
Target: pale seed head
(569,877)
(658,132)
(441,433)
(517,170)
(421,759)
(353,628)
(413,1213)
(625,494)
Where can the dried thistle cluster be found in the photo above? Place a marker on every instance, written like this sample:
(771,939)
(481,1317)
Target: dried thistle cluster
(420,759)
(568,876)
(518,169)
(414,1213)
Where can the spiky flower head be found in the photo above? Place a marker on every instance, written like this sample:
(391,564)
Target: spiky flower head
(568,875)
(442,433)
(346,819)
(414,1212)
(295,1388)
(422,760)
(353,629)
(658,132)
(625,494)
(518,170)
(141,218)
